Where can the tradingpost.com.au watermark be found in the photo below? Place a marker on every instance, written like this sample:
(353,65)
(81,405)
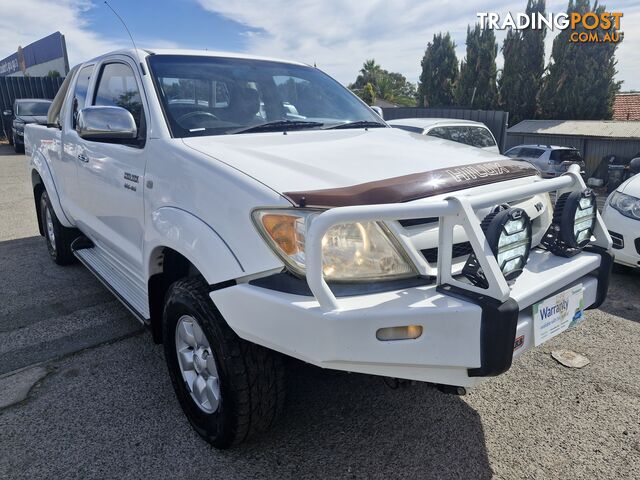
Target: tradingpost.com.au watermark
(584,26)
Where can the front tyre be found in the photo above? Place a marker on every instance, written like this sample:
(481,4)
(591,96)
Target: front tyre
(58,237)
(229,388)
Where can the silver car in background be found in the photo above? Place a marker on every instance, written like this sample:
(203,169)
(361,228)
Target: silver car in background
(550,160)
(472,133)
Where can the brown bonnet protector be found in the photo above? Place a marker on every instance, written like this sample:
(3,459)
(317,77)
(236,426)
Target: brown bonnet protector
(414,186)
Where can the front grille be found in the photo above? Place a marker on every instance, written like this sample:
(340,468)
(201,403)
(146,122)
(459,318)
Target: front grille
(637,242)
(459,250)
(617,240)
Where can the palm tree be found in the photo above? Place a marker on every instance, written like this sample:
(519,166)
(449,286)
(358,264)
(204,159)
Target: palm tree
(370,71)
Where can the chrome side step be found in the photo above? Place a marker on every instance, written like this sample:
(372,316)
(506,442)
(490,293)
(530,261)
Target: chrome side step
(132,295)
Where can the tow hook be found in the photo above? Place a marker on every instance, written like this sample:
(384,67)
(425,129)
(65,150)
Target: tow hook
(451,389)
(395,383)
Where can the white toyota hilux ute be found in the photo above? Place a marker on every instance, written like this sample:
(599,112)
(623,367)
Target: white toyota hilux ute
(244,208)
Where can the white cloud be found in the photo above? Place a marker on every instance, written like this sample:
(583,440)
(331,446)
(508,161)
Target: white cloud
(24,21)
(340,35)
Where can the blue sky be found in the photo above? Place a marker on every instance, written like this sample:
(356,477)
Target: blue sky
(338,35)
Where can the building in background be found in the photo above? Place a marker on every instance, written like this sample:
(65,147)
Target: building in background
(49,54)
(626,106)
(594,138)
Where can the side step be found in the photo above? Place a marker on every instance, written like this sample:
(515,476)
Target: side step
(132,295)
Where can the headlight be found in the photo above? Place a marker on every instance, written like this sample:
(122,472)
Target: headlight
(625,204)
(353,252)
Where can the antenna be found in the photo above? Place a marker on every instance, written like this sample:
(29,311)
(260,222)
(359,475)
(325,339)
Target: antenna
(130,36)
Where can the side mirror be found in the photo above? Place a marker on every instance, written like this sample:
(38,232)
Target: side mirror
(8,112)
(106,123)
(379,111)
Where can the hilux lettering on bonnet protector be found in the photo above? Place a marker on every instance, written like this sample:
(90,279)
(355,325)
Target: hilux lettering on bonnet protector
(414,186)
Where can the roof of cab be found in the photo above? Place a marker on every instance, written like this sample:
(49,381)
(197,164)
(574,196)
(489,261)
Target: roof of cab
(430,122)
(145,52)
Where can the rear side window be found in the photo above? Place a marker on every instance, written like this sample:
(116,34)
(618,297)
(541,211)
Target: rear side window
(565,156)
(439,132)
(80,91)
(469,135)
(117,87)
(514,152)
(531,152)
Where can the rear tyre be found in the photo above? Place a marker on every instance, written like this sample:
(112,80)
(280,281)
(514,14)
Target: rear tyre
(57,236)
(228,388)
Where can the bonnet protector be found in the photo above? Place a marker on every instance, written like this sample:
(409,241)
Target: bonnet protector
(414,186)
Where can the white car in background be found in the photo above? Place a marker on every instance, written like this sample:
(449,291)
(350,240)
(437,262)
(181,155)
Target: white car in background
(622,216)
(472,133)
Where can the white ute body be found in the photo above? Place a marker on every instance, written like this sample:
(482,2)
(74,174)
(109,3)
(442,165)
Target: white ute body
(195,196)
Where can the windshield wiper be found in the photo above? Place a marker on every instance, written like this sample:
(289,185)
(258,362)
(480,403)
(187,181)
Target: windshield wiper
(278,125)
(356,124)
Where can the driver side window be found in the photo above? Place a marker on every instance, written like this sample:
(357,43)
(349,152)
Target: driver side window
(117,87)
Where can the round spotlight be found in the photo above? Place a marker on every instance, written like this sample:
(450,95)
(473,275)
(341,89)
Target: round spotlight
(575,214)
(509,235)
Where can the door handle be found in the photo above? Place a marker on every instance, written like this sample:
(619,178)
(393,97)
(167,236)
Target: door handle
(83,158)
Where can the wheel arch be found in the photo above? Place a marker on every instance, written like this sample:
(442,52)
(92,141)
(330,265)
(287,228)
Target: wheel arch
(182,245)
(41,175)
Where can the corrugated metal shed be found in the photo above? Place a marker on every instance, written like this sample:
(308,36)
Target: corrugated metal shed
(581,128)
(594,138)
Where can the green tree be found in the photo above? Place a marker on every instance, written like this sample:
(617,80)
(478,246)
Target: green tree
(439,72)
(53,74)
(368,94)
(580,83)
(519,84)
(476,87)
(390,86)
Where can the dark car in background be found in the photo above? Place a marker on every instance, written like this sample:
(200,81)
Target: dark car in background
(550,160)
(25,110)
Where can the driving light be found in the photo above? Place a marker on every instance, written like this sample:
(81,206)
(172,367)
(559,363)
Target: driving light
(625,204)
(574,218)
(508,233)
(353,252)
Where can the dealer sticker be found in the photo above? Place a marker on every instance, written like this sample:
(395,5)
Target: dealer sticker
(555,314)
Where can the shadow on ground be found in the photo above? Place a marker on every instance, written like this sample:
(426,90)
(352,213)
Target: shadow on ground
(111,411)
(114,414)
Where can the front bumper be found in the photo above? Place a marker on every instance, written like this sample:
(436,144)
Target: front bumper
(625,233)
(465,337)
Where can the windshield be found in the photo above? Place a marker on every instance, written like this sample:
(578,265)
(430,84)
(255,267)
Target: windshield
(34,109)
(221,96)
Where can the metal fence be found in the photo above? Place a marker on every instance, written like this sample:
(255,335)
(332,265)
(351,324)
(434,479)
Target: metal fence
(12,88)
(496,120)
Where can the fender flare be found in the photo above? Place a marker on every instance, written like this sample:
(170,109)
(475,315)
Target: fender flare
(194,239)
(39,164)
